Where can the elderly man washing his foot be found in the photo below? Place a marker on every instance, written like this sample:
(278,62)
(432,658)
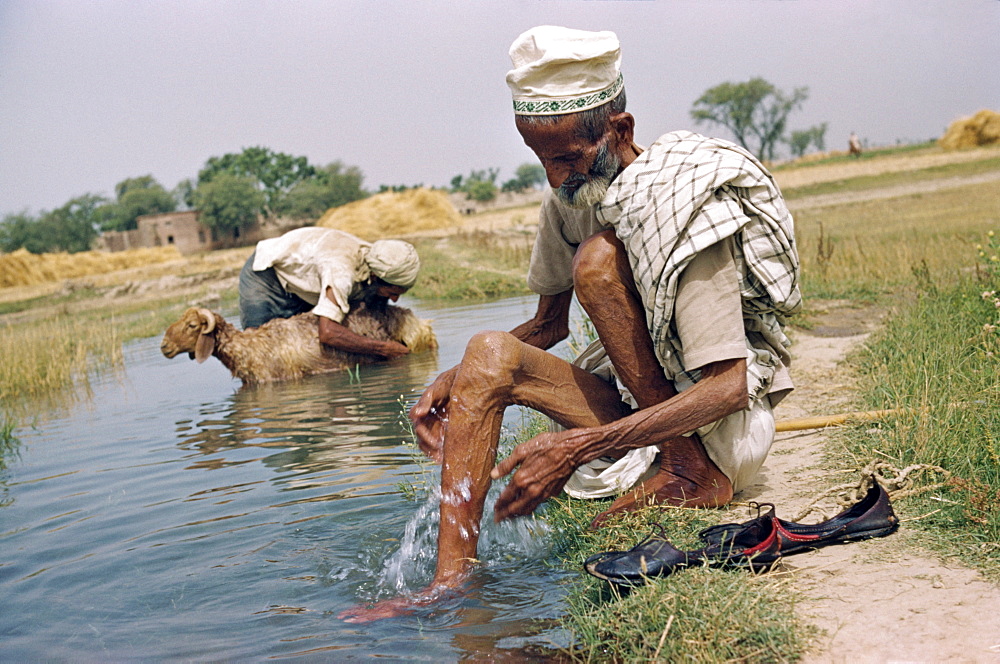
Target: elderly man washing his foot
(683,256)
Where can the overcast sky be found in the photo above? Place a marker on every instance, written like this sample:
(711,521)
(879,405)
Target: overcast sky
(413,92)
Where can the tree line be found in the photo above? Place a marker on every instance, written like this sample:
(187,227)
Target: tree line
(234,190)
(230,192)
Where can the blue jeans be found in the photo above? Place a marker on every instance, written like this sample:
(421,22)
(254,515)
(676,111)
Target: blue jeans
(262,297)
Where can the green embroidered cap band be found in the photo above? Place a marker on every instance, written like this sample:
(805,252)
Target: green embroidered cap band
(560,70)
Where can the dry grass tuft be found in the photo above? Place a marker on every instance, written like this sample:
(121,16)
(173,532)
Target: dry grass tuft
(392,214)
(983,128)
(22,268)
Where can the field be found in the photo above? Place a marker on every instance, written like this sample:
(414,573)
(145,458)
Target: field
(896,257)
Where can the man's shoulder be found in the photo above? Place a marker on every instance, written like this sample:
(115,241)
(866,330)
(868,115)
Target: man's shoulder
(684,147)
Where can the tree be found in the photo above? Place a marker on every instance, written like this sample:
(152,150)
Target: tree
(527,176)
(72,228)
(479,186)
(17,231)
(228,202)
(754,111)
(183,193)
(332,186)
(800,140)
(273,173)
(481,190)
(135,197)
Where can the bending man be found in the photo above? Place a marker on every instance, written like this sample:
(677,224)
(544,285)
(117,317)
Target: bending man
(683,257)
(328,272)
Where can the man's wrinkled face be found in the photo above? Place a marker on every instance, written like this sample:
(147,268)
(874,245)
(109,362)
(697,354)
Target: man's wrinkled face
(578,170)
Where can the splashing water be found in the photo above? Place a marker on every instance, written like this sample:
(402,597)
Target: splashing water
(411,567)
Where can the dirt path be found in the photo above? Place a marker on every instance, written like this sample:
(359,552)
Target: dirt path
(882,600)
(806,175)
(826,200)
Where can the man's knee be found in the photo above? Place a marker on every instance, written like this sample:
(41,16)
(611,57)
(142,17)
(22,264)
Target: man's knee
(490,360)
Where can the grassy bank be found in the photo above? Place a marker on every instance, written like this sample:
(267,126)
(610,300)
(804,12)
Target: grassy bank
(471,265)
(939,358)
(702,615)
(49,359)
(875,248)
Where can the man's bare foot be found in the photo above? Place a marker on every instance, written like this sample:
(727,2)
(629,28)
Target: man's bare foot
(443,586)
(397,606)
(391,608)
(686,478)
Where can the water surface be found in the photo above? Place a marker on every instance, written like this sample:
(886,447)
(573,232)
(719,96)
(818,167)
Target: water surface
(176,515)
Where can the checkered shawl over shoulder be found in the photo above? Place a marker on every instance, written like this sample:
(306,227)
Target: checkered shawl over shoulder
(685,193)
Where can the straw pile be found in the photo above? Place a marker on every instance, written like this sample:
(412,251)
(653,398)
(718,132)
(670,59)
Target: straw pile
(392,214)
(23,268)
(983,128)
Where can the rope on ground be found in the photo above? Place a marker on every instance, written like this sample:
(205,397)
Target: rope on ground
(898,484)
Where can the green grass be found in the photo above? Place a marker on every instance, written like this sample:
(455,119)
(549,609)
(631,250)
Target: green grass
(871,249)
(940,357)
(472,266)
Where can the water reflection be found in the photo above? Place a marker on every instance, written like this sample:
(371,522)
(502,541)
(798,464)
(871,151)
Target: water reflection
(322,417)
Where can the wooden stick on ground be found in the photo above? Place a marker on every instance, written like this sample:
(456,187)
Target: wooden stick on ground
(819,422)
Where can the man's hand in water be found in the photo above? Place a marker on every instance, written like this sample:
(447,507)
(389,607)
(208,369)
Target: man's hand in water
(430,415)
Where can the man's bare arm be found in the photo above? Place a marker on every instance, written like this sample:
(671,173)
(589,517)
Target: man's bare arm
(545,462)
(550,325)
(337,336)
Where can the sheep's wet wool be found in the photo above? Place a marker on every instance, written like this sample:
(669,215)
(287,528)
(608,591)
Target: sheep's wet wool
(252,355)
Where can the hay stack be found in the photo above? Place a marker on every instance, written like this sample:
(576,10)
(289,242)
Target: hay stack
(983,128)
(392,214)
(23,268)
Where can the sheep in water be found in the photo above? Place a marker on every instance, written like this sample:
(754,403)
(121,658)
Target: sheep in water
(288,348)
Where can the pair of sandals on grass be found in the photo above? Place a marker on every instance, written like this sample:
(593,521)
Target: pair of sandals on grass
(756,544)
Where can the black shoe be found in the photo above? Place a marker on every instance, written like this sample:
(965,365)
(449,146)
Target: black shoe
(872,517)
(757,546)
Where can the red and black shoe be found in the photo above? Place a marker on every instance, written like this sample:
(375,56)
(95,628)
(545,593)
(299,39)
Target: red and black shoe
(756,544)
(872,516)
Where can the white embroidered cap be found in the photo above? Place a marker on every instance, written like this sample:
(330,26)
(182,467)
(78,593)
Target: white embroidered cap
(562,70)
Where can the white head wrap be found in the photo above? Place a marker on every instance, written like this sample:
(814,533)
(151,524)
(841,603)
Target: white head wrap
(561,70)
(394,261)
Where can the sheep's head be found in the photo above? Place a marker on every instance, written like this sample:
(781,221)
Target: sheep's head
(193,333)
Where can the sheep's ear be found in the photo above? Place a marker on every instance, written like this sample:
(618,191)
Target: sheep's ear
(203,347)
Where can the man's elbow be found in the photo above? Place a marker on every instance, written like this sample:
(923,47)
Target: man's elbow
(737,397)
(729,380)
(557,332)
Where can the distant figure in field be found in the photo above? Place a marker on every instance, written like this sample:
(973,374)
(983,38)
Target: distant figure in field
(854,144)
